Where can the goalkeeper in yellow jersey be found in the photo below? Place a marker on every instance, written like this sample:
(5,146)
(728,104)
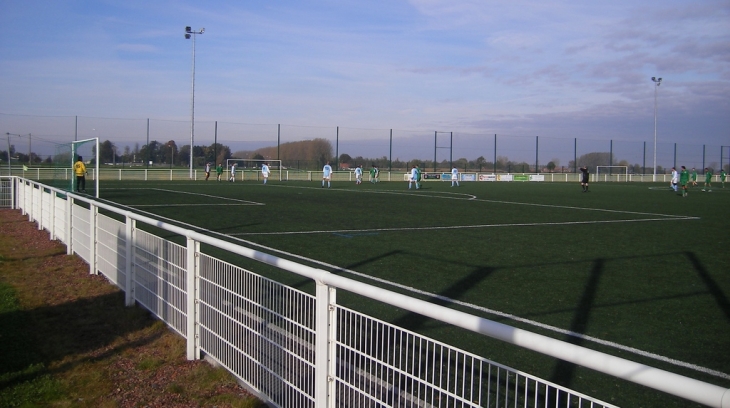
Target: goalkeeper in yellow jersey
(80,171)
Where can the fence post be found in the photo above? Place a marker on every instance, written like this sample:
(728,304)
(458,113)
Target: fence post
(93,212)
(14,196)
(52,215)
(129,295)
(69,225)
(31,188)
(325,347)
(192,274)
(39,218)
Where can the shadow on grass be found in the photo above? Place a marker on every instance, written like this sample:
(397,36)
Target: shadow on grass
(367,261)
(414,321)
(712,287)
(72,333)
(564,372)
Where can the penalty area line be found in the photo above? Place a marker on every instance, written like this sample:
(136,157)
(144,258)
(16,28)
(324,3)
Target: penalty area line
(448,227)
(235,200)
(193,205)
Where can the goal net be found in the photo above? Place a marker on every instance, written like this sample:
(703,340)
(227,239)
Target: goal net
(612,173)
(250,169)
(66,154)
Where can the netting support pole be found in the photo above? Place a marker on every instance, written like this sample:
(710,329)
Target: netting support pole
(390,154)
(495,153)
(451,152)
(537,150)
(435,137)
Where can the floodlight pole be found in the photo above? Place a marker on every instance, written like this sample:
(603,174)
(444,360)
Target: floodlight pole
(657,82)
(190,33)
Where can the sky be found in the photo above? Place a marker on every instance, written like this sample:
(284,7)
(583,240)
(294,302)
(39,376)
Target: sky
(551,68)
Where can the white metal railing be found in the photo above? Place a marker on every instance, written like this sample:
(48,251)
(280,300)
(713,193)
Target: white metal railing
(299,350)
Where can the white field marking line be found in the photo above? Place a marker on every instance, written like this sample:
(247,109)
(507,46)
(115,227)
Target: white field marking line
(242,202)
(393,192)
(460,226)
(586,209)
(471,197)
(190,205)
(467,305)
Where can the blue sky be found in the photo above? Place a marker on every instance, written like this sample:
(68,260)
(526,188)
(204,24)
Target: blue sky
(524,68)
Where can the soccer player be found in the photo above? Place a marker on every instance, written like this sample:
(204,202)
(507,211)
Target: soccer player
(232,177)
(377,174)
(412,178)
(207,170)
(455,176)
(80,171)
(722,177)
(675,180)
(418,177)
(694,177)
(219,171)
(358,174)
(372,174)
(684,180)
(326,174)
(584,178)
(265,172)
(708,179)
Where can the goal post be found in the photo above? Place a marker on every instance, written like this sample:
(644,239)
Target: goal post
(612,173)
(66,154)
(254,165)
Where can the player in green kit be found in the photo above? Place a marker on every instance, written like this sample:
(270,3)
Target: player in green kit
(694,177)
(418,177)
(684,180)
(722,177)
(218,171)
(708,179)
(372,174)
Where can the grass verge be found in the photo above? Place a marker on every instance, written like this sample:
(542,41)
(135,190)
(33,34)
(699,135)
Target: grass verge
(67,340)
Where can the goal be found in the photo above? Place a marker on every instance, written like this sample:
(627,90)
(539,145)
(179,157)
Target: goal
(612,173)
(63,160)
(252,168)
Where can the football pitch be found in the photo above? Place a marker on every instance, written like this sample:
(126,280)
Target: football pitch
(630,269)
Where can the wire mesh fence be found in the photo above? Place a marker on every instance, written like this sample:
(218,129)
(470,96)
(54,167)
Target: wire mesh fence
(166,143)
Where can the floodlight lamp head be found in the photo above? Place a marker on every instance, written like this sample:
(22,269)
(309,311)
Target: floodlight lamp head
(202,30)
(652,78)
(187,36)
(188,29)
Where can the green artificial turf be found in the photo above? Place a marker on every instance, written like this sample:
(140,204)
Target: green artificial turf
(633,264)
